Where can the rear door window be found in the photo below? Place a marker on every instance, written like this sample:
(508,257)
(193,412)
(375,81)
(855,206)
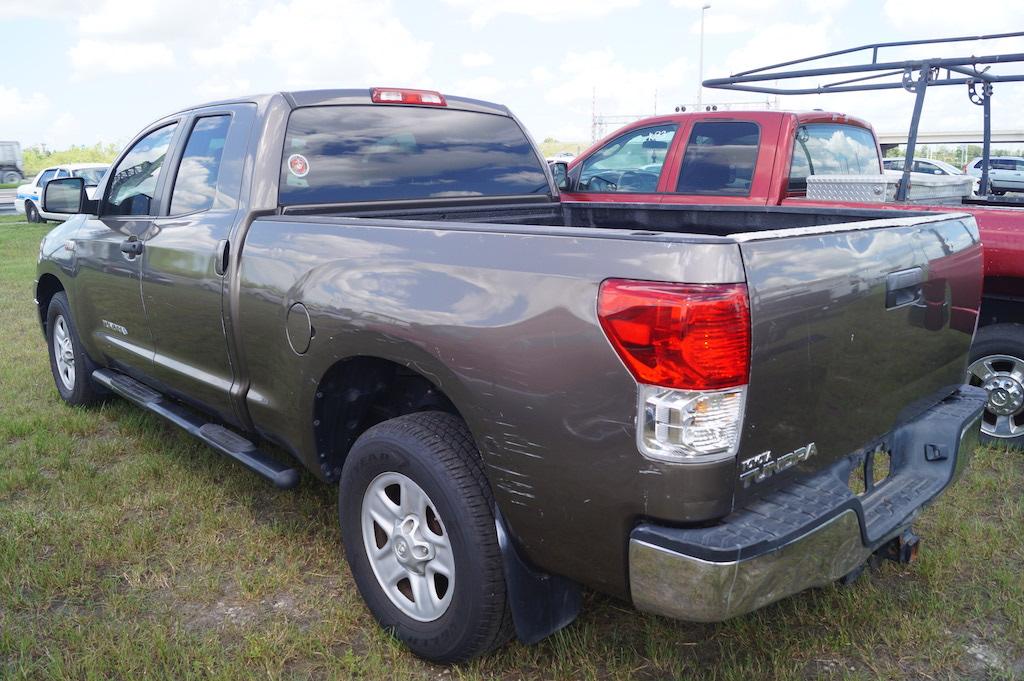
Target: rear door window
(195,185)
(831,149)
(345,154)
(630,163)
(720,158)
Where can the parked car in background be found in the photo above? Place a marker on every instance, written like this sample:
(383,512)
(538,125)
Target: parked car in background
(515,396)
(927,166)
(923,165)
(564,156)
(29,199)
(770,158)
(1005,173)
(11,169)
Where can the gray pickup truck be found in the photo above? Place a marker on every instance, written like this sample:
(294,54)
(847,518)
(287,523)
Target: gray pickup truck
(701,409)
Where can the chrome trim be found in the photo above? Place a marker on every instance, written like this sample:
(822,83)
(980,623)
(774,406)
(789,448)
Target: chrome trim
(667,583)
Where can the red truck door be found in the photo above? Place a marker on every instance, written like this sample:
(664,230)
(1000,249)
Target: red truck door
(629,167)
(724,161)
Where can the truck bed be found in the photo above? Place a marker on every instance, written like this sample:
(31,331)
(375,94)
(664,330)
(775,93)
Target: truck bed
(496,305)
(698,219)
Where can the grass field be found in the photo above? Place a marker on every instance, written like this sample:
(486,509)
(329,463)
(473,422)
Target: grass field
(129,551)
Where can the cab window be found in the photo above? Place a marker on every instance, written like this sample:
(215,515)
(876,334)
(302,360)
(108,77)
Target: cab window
(720,158)
(195,185)
(831,149)
(133,183)
(629,163)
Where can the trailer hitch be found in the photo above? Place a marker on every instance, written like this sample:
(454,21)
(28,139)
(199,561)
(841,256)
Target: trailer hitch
(901,549)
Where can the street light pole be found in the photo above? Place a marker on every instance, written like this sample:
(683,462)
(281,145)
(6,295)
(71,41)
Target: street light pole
(700,68)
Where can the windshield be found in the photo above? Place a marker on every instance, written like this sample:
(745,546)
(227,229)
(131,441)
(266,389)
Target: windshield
(832,149)
(92,176)
(343,154)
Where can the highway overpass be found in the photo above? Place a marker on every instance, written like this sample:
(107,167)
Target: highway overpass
(889,139)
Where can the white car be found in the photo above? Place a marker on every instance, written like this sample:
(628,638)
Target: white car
(1005,173)
(928,166)
(29,198)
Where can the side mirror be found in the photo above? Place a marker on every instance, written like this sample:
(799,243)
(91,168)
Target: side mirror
(560,171)
(67,196)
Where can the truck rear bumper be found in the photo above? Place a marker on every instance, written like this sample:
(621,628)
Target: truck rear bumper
(805,535)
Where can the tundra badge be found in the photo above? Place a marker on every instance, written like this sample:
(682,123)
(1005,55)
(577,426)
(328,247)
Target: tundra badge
(761,467)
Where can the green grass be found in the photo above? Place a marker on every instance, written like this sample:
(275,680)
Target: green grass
(9,185)
(127,550)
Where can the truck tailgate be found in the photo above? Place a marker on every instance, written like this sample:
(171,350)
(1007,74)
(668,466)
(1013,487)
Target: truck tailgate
(855,329)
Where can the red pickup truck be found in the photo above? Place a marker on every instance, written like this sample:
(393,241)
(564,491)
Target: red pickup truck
(763,158)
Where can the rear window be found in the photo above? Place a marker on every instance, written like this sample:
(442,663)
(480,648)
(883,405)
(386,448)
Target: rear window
(342,154)
(719,159)
(831,149)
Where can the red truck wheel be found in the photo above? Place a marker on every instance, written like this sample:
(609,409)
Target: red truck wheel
(997,364)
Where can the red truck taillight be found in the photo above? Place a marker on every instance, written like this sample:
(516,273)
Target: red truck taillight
(688,346)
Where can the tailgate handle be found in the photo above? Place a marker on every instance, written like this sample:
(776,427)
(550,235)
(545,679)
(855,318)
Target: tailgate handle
(903,288)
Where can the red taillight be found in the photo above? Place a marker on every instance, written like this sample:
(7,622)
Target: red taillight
(392,95)
(684,336)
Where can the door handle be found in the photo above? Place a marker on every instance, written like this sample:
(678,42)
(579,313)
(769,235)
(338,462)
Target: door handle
(904,288)
(131,246)
(220,264)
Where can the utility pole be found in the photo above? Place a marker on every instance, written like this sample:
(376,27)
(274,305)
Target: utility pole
(700,67)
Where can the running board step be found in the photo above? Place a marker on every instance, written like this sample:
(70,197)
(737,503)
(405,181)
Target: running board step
(217,436)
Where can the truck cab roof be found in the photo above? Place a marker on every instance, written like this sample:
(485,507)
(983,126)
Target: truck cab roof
(338,97)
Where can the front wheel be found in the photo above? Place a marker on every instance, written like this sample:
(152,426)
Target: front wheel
(11,177)
(997,365)
(418,528)
(71,367)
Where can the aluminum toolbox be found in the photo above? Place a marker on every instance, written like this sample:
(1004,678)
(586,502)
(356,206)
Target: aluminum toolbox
(857,188)
(924,188)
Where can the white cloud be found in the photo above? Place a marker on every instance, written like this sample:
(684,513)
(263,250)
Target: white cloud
(223,88)
(481,87)
(482,13)
(98,58)
(477,59)
(347,42)
(541,74)
(937,18)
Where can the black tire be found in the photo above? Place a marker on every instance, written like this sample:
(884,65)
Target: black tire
(32,213)
(1005,341)
(82,390)
(435,450)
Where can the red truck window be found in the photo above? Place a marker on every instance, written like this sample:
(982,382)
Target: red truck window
(831,149)
(720,158)
(629,163)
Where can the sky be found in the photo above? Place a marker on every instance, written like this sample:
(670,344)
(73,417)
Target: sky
(90,71)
